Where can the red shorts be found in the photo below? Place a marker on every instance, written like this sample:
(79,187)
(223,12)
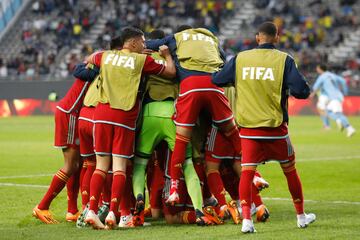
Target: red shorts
(115,130)
(199,93)
(185,200)
(218,147)
(86,129)
(66,130)
(256,151)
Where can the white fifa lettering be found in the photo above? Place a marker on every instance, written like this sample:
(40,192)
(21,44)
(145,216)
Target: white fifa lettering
(109,58)
(259,72)
(186,36)
(130,63)
(252,73)
(115,60)
(245,72)
(269,75)
(121,60)
(200,36)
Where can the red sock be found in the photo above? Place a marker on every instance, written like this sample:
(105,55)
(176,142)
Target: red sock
(57,184)
(200,171)
(188,217)
(295,189)
(73,186)
(85,184)
(231,181)
(96,184)
(157,185)
(246,180)
(117,190)
(233,135)
(106,192)
(82,172)
(255,194)
(125,203)
(216,187)
(178,156)
(257,174)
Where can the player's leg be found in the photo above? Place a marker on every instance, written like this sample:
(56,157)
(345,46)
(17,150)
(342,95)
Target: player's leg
(295,188)
(183,136)
(321,107)
(117,190)
(73,187)
(336,112)
(223,118)
(149,137)
(187,108)
(252,155)
(65,138)
(283,149)
(103,149)
(126,198)
(157,185)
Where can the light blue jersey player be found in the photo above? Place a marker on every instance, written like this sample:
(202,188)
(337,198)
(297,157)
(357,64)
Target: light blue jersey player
(332,89)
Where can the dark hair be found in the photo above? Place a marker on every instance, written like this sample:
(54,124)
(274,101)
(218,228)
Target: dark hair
(323,67)
(130,32)
(268,28)
(116,42)
(157,34)
(183,27)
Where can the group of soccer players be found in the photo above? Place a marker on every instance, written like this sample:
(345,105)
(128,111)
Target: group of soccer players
(157,110)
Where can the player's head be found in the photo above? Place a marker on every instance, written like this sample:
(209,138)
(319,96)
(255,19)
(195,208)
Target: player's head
(116,43)
(267,33)
(183,28)
(157,34)
(320,68)
(133,39)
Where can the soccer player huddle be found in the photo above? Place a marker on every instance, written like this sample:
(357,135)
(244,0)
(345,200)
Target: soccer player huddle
(169,112)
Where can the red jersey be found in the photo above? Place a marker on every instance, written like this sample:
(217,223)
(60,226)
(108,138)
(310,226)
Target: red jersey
(73,100)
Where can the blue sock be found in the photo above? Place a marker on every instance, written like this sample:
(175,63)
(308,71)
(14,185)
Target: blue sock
(343,119)
(325,120)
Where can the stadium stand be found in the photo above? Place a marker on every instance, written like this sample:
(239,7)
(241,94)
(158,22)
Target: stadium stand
(52,35)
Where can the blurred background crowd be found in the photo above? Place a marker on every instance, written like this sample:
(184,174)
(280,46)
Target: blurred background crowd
(51,36)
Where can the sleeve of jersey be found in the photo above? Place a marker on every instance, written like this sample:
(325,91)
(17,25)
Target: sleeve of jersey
(295,80)
(86,72)
(95,58)
(343,85)
(226,75)
(152,67)
(156,43)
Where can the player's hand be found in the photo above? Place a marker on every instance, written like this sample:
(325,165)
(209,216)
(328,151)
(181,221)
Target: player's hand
(164,51)
(147,51)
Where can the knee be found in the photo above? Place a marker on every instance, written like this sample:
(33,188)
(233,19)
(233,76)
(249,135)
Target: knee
(170,219)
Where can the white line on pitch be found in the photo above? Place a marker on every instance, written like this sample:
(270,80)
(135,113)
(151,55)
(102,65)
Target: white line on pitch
(313,201)
(265,198)
(23,185)
(26,176)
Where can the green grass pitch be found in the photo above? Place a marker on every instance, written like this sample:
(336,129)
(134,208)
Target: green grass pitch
(328,163)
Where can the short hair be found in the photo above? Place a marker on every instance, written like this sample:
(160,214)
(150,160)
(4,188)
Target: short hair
(323,67)
(157,34)
(130,32)
(116,42)
(268,28)
(183,27)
